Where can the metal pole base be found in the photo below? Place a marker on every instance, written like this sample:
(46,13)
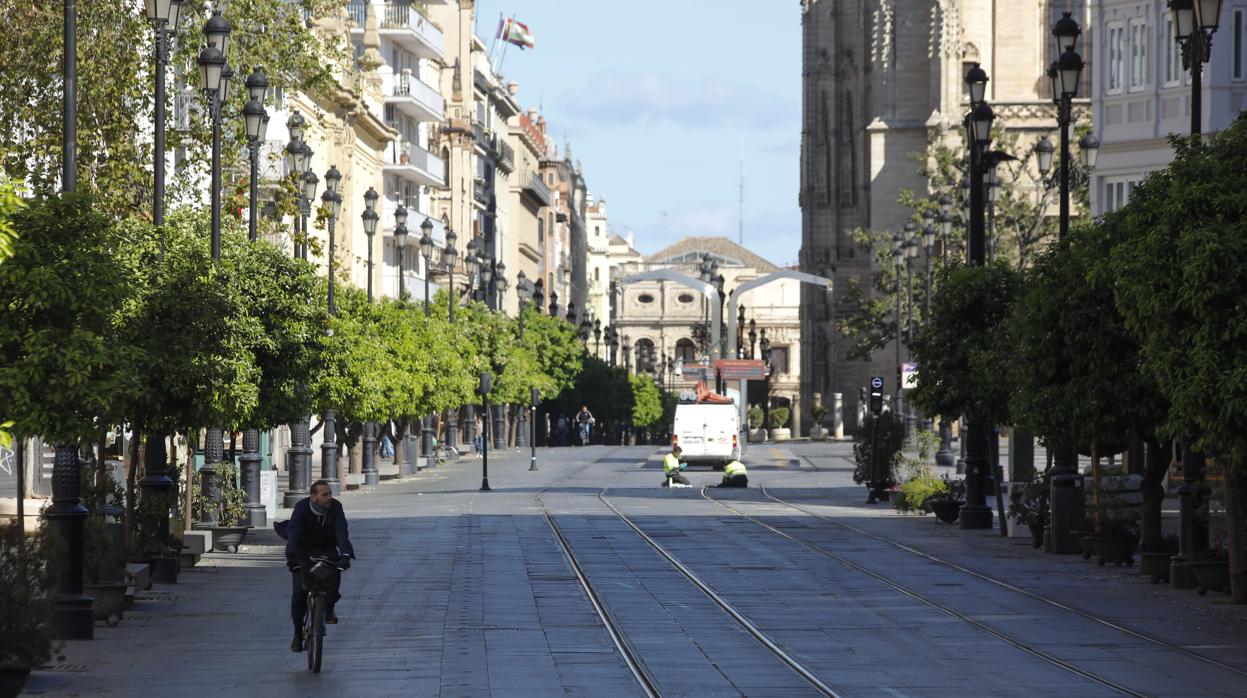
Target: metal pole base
(73,618)
(532,464)
(945,456)
(485,485)
(1068,514)
(257,515)
(976,517)
(369,443)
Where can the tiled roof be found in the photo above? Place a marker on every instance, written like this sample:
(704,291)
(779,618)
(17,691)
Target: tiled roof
(717,246)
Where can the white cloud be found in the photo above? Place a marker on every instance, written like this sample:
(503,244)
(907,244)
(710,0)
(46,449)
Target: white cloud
(616,98)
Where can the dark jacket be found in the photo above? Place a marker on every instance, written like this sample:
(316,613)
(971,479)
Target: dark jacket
(307,532)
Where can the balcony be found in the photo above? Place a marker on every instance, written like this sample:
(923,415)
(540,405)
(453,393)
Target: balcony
(506,156)
(536,187)
(480,191)
(412,96)
(357,11)
(404,25)
(415,164)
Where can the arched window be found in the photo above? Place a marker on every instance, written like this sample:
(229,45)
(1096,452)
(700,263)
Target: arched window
(685,350)
(646,356)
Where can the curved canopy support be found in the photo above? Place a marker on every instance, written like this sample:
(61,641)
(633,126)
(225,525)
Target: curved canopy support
(733,298)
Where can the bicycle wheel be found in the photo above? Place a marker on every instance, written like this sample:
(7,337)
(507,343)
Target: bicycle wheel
(315,632)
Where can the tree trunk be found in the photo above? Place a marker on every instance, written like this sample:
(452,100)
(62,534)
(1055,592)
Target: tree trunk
(130,490)
(1159,458)
(1236,529)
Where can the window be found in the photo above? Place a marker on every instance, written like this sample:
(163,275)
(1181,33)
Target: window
(645,298)
(1116,58)
(1138,55)
(1238,69)
(541,230)
(1172,53)
(1117,193)
(685,351)
(685,298)
(779,360)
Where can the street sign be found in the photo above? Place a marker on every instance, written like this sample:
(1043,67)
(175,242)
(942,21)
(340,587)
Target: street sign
(876,395)
(909,375)
(740,369)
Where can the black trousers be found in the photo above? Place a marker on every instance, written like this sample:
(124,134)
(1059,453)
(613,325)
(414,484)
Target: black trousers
(298,597)
(675,477)
(735,481)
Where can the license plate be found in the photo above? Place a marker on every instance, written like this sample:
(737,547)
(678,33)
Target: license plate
(692,439)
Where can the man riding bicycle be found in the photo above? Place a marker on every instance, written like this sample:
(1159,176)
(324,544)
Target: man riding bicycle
(317,528)
(585,420)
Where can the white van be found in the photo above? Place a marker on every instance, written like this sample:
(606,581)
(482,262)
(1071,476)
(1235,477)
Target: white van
(707,432)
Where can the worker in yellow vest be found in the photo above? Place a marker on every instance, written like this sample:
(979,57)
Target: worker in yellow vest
(734,475)
(671,467)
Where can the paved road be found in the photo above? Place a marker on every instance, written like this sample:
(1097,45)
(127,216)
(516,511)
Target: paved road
(464,593)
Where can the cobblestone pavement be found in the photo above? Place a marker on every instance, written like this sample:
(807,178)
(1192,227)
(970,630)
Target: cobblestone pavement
(459,592)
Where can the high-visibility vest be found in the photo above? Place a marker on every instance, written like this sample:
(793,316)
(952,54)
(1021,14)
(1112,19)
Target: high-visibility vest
(670,464)
(733,469)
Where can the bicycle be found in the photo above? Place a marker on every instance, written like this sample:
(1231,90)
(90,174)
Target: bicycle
(584,433)
(317,574)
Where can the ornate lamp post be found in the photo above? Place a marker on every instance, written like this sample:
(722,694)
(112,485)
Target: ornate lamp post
(1066,500)
(215,75)
(255,120)
(332,200)
(1194,24)
(450,256)
(627,352)
(753,336)
(427,246)
(765,346)
(554,303)
(370,218)
(976,513)
(299,455)
(164,16)
(523,290)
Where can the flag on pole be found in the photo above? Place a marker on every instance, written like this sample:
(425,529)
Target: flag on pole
(517,33)
(502,23)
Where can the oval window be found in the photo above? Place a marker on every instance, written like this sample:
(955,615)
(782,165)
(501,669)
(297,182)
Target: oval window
(685,298)
(645,298)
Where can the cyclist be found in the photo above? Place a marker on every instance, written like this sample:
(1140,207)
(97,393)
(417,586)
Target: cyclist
(585,420)
(317,527)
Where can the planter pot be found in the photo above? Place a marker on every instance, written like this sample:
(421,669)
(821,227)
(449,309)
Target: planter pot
(781,434)
(228,538)
(946,510)
(1155,566)
(1116,549)
(1211,575)
(1084,539)
(110,601)
(818,434)
(1037,531)
(757,436)
(12,678)
(899,501)
(164,570)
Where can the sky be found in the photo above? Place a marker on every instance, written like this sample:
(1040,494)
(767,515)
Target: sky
(659,99)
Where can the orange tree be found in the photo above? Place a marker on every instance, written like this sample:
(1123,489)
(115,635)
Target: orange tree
(1181,285)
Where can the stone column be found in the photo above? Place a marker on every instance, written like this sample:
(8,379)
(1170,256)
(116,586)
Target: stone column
(250,462)
(298,463)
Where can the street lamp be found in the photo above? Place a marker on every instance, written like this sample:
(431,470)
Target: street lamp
(298,155)
(765,347)
(370,217)
(753,336)
(450,255)
(554,303)
(165,16)
(426,250)
(400,242)
(1194,24)
(331,202)
(627,352)
(1089,147)
(597,337)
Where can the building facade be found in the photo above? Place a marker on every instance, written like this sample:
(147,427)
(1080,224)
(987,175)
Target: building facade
(1142,90)
(666,324)
(881,80)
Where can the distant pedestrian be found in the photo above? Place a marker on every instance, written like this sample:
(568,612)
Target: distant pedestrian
(478,438)
(671,467)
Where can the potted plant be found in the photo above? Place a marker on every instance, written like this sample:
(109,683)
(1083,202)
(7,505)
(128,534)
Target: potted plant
(103,564)
(224,516)
(1028,506)
(1154,564)
(917,490)
(818,432)
(779,417)
(756,433)
(28,577)
(1115,535)
(151,514)
(877,453)
(1211,568)
(946,504)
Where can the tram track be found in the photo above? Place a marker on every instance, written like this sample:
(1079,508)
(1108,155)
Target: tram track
(1150,639)
(631,656)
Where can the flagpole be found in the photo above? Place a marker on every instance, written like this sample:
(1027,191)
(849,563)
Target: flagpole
(497,33)
(506,29)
